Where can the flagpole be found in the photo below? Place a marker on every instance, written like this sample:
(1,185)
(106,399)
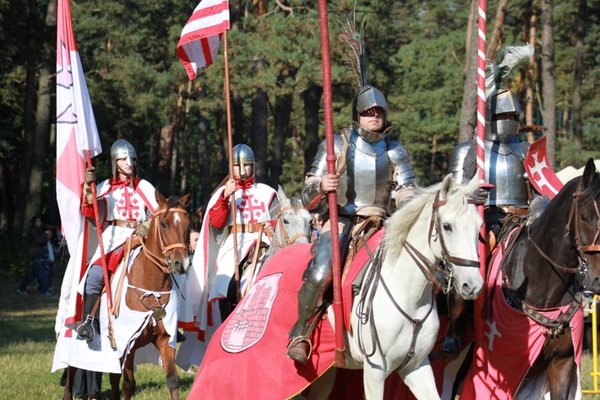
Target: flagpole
(236,272)
(332,197)
(109,304)
(481,41)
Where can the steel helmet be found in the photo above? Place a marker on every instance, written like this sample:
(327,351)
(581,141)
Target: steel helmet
(242,156)
(120,149)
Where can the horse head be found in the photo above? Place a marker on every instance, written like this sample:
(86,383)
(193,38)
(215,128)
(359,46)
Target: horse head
(293,222)
(585,225)
(456,241)
(166,243)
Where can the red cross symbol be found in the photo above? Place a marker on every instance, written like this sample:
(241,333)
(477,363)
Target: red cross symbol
(127,206)
(251,210)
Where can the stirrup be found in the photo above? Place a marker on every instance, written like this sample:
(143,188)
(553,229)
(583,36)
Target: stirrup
(86,329)
(296,349)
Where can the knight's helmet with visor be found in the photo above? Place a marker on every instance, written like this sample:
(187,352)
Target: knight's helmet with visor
(242,156)
(503,110)
(122,149)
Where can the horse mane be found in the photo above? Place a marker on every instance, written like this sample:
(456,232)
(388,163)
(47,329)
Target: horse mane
(400,222)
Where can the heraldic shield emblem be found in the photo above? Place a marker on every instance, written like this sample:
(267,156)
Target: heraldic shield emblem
(247,324)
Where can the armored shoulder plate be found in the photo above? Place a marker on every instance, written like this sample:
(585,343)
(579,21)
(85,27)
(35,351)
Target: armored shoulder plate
(403,173)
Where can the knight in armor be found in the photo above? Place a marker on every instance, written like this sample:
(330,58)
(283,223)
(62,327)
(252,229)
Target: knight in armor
(256,207)
(373,176)
(125,204)
(505,152)
(510,198)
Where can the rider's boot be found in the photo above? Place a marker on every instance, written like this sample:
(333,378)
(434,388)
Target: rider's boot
(87,329)
(300,346)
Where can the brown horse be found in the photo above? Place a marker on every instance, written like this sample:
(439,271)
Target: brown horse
(548,266)
(164,252)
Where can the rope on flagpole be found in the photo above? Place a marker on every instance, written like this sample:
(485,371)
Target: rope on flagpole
(481,61)
(332,197)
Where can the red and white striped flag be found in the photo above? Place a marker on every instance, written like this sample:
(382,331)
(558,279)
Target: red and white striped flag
(200,38)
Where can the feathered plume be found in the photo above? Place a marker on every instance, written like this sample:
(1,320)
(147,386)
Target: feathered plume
(513,55)
(355,39)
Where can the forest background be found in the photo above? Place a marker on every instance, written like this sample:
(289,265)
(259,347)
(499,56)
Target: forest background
(422,54)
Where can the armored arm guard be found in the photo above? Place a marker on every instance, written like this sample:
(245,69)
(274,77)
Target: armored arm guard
(463,162)
(403,174)
(311,192)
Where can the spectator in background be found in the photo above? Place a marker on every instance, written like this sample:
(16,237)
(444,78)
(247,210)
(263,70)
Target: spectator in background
(38,239)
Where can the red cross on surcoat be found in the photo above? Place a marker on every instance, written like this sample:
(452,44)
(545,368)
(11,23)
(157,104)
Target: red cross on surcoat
(250,208)
(128,206)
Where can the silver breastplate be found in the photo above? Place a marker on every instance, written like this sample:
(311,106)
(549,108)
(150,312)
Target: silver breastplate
(505,170)
(365,182)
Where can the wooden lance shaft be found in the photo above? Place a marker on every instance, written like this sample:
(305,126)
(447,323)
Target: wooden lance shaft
(236,272)
(113,343)
(332,197)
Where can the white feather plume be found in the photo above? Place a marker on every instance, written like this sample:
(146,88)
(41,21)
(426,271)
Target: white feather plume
(513,55)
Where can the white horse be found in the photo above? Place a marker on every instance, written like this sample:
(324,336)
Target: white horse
(394,318)
(293,225)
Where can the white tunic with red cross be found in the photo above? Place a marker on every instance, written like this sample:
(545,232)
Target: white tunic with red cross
(123,203)
(252,207)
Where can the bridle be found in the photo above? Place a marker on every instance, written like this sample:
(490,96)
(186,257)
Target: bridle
(373,278)
(556,326)
(286,239)
(163,261)
(433,272)
(583,250)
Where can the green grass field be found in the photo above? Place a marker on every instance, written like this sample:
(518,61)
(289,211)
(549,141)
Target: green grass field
(27,346)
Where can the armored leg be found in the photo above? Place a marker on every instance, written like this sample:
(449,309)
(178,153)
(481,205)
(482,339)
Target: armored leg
(87,329)
(317,278)
(93,287)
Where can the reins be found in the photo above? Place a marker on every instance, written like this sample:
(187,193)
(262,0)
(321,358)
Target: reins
(556,325)
(364,309)
(162,262)
(286,239)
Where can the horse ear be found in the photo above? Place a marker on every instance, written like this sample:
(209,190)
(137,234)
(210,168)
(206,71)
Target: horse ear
(589,173)
(185,200)
(283,199)
(447,184)
(159,197)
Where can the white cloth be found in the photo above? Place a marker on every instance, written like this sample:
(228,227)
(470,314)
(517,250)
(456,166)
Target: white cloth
(98,355)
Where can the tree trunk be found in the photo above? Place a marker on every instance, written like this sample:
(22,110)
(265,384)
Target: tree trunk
(530,32)
(42,138)
(548,90)
(312,100)
(259,128)
(580,33)
(239,127)
(283,109)
(203,161)
(164,157)
(469,101)
(496,38)
(28,118)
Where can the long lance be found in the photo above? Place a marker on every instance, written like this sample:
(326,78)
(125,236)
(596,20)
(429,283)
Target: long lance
(331,197)
(236,273)
(109,303)
(481,30)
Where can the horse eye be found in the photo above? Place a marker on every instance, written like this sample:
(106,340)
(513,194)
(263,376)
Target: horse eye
(447,227)
(163,224)
(285,221)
